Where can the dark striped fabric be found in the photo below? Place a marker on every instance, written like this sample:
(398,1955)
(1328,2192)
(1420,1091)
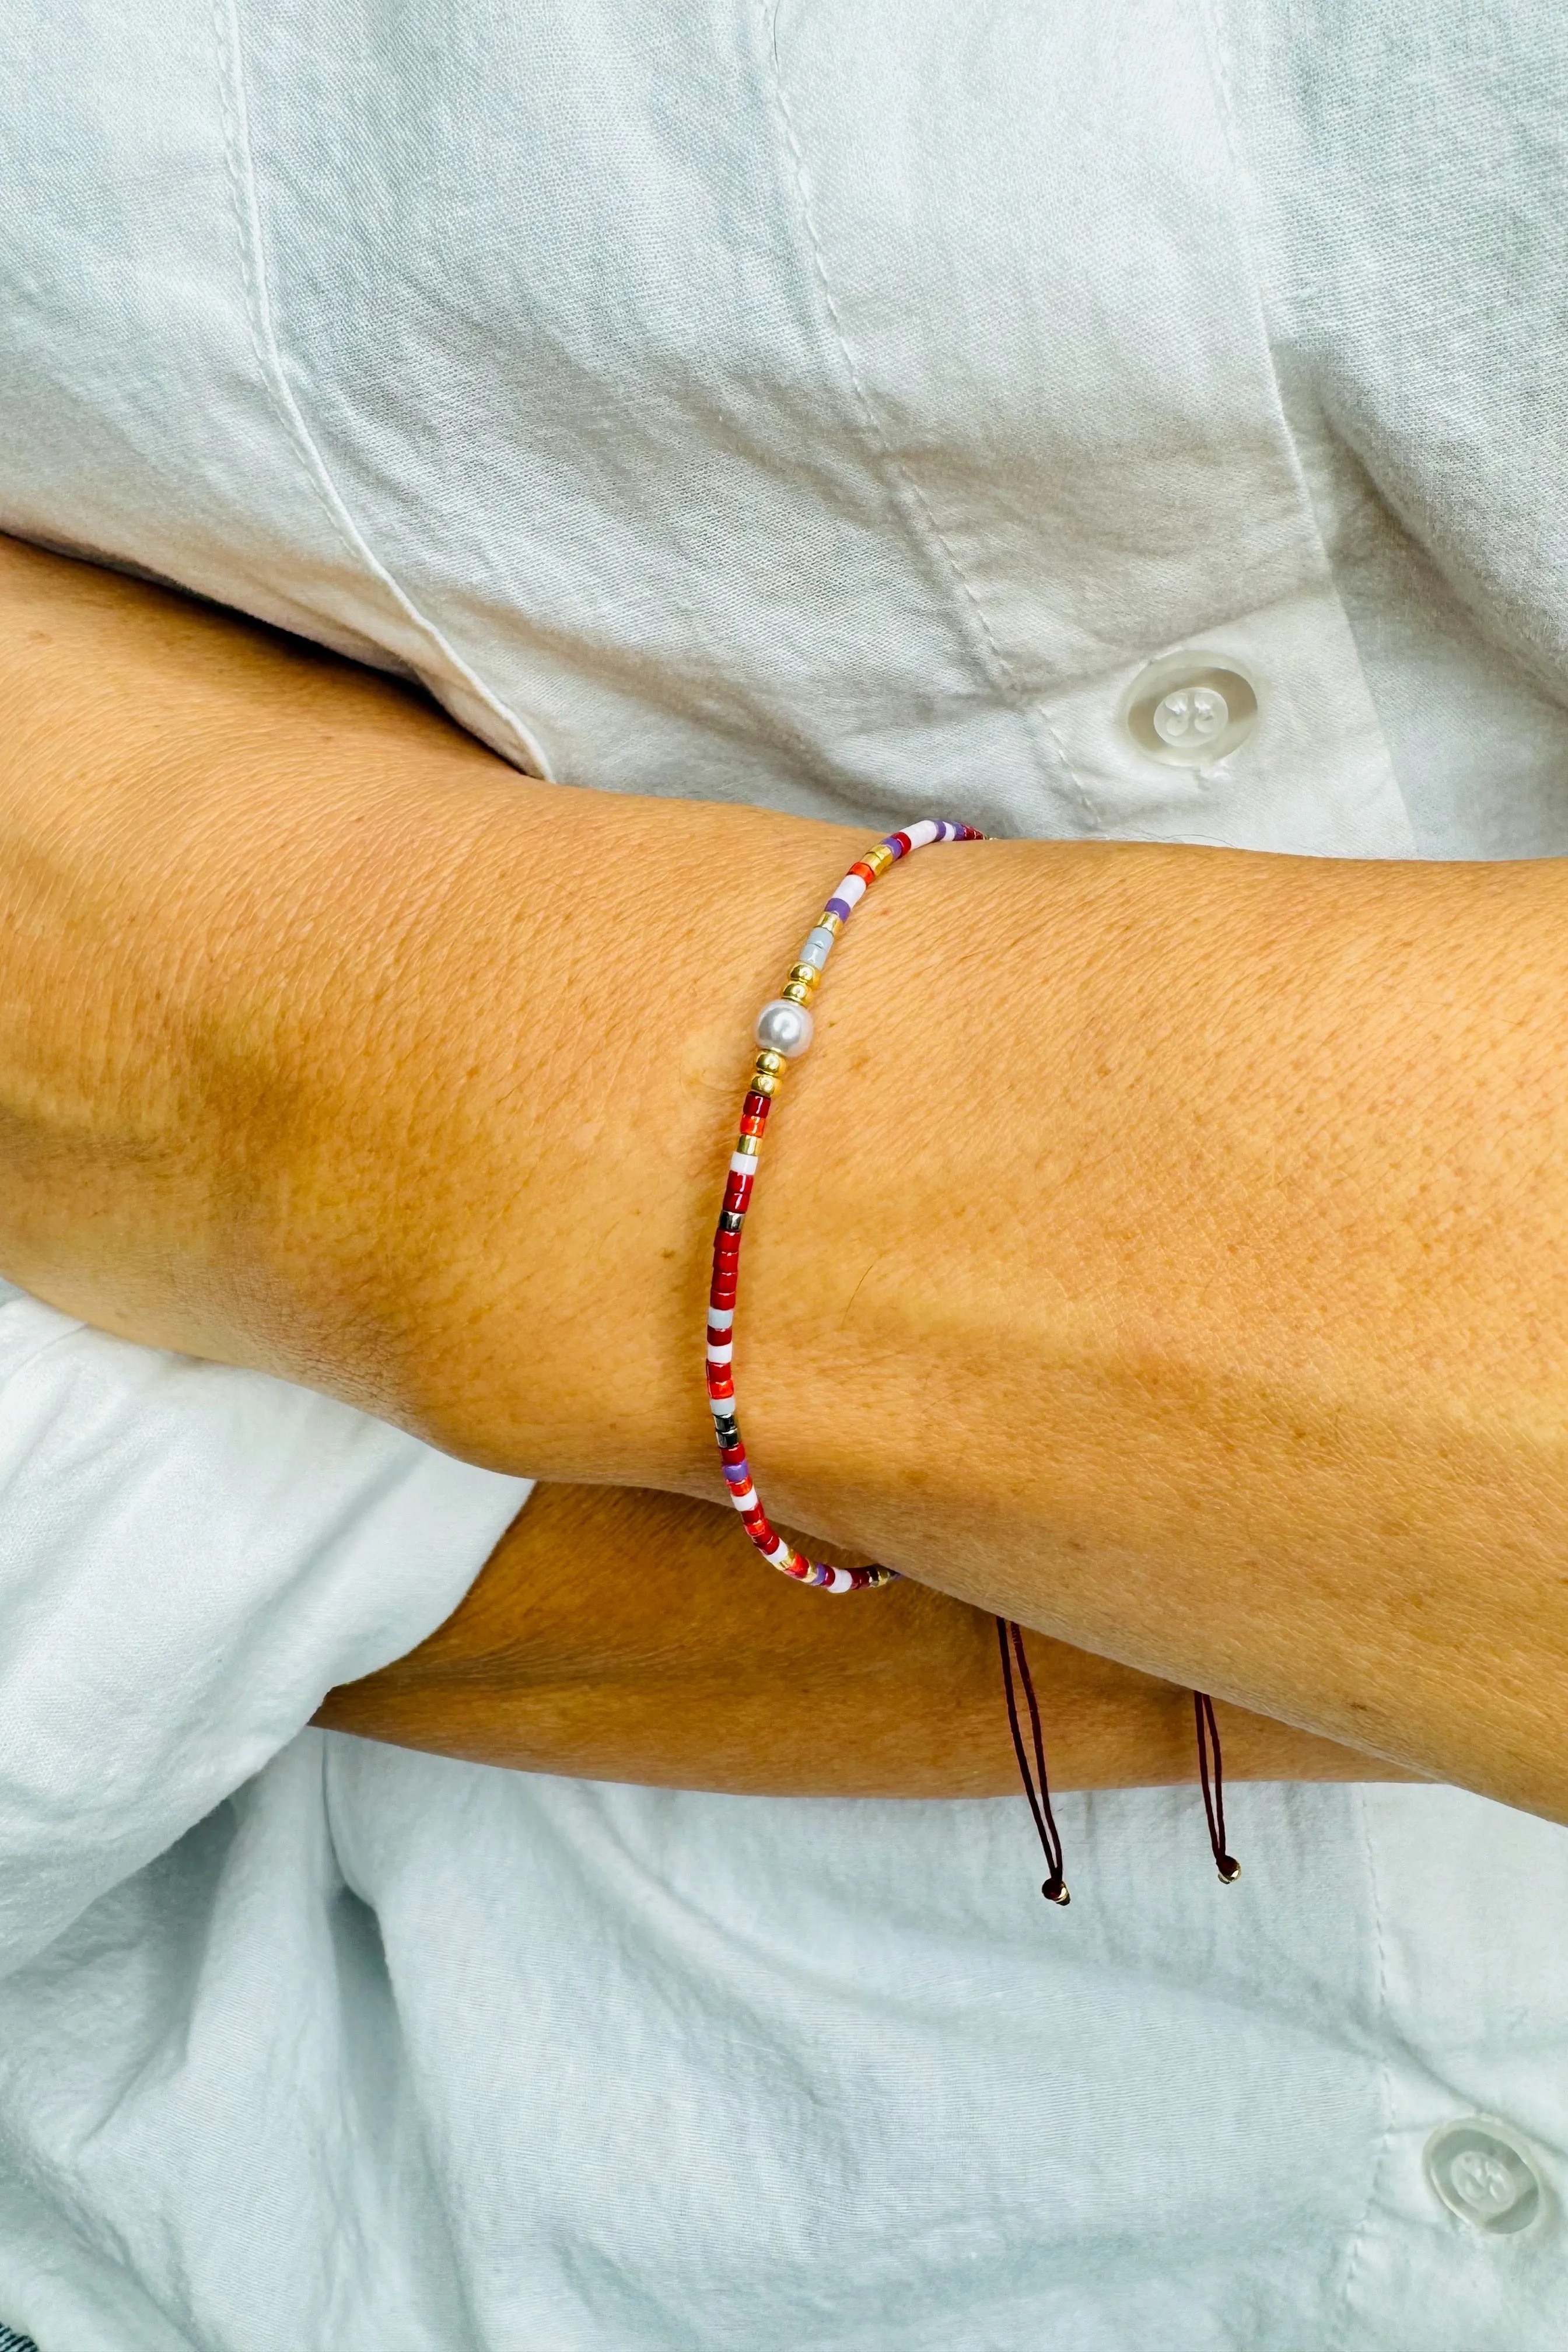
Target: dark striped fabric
(11,2342)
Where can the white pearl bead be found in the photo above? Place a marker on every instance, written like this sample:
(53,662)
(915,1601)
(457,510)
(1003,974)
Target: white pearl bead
(783,1028)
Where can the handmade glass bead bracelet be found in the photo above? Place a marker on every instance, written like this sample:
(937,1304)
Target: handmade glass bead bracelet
(783,1032)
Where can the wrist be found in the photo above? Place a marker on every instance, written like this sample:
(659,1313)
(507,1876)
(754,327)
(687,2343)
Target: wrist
(494,1204)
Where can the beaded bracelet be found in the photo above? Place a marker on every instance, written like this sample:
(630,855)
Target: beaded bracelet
(783,1032)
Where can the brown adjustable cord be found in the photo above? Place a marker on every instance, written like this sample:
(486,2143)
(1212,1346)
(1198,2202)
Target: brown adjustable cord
(1226,1863)
(1010,1638)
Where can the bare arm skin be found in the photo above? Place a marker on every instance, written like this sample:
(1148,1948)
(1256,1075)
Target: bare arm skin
(1167,1246)
(624,1635)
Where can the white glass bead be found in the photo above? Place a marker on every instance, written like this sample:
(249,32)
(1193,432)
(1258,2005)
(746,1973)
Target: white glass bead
(783,1028)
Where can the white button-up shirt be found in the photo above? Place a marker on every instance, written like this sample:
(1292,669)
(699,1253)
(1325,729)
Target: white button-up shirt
(1139,421)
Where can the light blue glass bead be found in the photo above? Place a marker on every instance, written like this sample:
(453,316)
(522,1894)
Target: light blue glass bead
(818,945)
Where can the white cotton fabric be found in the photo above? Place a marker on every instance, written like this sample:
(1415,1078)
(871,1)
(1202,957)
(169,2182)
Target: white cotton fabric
(834,403)
(192,1557)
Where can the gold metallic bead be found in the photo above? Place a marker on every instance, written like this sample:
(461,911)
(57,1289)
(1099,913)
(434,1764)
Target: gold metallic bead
(804,975)
(796,991)
(764,1083)
(829,921)
(769,1065)
(878,859)
(751,1145)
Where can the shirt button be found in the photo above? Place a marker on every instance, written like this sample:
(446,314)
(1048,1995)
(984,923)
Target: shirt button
(1481,2173)
(1189,709)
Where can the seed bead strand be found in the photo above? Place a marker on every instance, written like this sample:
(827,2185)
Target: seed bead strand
(783,1033)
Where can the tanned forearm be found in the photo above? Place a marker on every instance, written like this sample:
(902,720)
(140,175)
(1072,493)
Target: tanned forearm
(1167,1246)
(625,1635)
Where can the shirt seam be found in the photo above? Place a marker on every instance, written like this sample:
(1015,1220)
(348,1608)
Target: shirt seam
(1241,181)
(913,500)
(1385,2087)
(245,198)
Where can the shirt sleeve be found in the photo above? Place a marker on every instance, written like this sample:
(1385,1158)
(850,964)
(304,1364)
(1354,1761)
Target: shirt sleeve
(191,1558)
